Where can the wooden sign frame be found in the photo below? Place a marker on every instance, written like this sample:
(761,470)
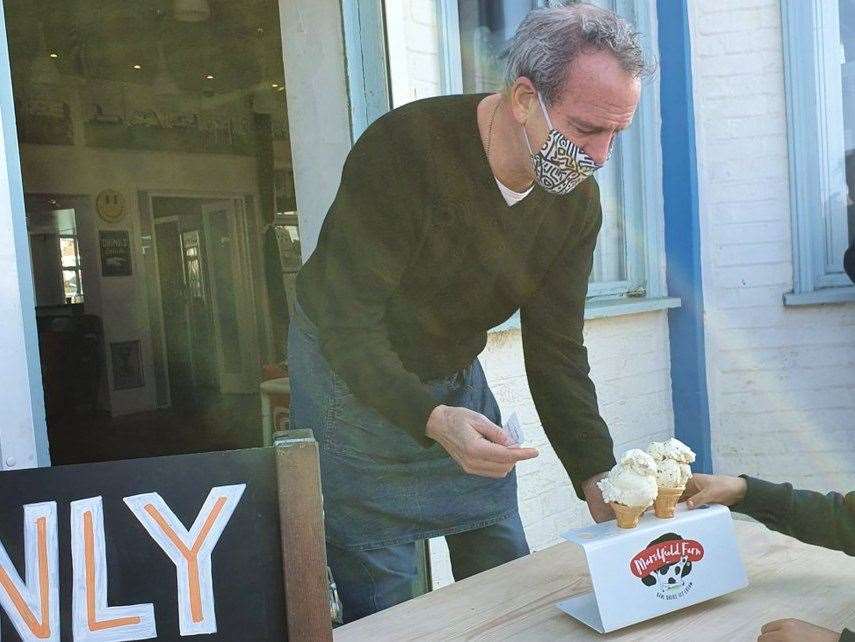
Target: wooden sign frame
(103,535)
(304,557)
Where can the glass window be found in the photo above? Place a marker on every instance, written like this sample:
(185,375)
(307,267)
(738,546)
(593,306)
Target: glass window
(819,43)
(155,153)
(68,252)
(71,277)
(454,46)
(847,70)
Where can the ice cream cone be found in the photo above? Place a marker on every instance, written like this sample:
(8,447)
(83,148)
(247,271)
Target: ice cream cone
(627,516)
(666,501)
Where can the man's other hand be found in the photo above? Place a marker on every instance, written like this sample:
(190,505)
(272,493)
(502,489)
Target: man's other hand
(600,511)
(478,445)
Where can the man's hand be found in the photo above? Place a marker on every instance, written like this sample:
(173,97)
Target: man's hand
(478,445)
(795,631)
(600,511)
(714,489)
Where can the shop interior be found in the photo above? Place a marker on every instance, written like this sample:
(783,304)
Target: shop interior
(161,217)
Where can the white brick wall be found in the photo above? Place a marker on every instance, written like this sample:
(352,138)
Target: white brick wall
(414,52)
(781,380)
(630,365)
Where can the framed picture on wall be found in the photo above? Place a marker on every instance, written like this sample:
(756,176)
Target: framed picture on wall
(127,365)
(115,252)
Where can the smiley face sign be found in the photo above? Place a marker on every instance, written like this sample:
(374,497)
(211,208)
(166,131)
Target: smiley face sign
(110,205)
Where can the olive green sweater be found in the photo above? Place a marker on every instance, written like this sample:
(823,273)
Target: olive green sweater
(420,255)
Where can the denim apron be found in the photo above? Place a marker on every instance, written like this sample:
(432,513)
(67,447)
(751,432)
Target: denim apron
(380,487)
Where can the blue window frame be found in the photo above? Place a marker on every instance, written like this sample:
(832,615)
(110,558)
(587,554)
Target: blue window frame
(819,76)
(629,261)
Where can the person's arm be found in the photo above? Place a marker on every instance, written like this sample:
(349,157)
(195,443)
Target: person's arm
(824,520)
(371,233)
(847,636)
(556,360)
(814,518)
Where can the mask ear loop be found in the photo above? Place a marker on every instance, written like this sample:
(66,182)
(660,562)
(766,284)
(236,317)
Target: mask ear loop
(527,141)
(545,113)
(548,122)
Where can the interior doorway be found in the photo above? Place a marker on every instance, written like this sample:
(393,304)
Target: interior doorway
(207,336)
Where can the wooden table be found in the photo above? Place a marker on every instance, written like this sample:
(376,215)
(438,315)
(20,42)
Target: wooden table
(516,601)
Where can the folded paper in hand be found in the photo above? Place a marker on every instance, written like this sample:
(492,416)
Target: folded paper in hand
(514,428)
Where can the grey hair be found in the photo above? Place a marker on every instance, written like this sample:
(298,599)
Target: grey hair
(548,40)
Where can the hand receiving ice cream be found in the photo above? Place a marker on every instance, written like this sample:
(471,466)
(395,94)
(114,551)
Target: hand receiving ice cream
(630,487)
(672,473)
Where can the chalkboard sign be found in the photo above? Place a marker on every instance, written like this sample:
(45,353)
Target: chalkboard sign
(167,548)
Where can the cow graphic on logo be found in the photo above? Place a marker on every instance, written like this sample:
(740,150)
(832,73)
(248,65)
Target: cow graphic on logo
(666,564)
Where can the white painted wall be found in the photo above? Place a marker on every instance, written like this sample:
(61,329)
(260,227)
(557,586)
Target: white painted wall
(781,380)
(23,434)
(318,111)
(413,44)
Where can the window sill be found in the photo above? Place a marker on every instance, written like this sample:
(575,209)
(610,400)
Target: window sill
(599,309)
(820,297)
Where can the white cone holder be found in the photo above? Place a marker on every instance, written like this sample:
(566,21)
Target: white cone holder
(660,566)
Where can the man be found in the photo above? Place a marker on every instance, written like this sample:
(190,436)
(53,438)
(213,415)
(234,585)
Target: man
(822,520)
(453,213)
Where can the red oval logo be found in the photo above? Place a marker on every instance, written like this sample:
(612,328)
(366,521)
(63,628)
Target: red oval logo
(652,558)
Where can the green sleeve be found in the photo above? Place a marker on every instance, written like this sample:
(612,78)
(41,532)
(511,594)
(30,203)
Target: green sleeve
(556,360)
(823,520)
(371,233)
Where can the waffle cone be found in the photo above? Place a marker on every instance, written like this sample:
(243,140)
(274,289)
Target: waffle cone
(627,516)
(666,501)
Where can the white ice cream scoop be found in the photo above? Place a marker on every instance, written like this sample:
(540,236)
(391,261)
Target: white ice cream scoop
(632,481)
(672,474)
(672,449)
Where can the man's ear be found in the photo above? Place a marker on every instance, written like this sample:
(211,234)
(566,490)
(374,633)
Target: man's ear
(522,96)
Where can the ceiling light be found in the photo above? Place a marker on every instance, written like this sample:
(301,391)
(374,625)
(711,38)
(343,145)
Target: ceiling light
(137,66)
(275,85)
(54,55)
(208,77)
(191,10)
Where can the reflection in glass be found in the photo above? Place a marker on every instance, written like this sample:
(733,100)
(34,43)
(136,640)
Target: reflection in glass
(144,120)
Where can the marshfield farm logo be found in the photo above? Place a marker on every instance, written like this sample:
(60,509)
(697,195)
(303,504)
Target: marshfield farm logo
(666,564)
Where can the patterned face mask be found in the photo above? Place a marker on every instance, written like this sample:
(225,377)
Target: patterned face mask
(560,165)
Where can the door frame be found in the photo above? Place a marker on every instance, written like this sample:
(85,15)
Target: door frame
(162,221)
(227,381)
(154,295)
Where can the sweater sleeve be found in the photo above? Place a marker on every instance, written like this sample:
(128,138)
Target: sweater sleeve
(814,518)
(371,232)
(556,360)
(847,636)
